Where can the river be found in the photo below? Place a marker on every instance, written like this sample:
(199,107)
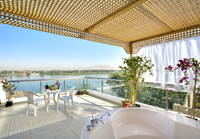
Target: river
(93,84)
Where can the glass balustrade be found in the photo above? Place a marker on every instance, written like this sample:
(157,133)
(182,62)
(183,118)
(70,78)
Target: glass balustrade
(152,96)
(177,101)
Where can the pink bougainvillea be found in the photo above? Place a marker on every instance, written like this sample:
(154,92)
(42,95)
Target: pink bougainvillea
(184,65)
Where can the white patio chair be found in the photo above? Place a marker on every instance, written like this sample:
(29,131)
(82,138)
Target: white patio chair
(66,98)
(32,99)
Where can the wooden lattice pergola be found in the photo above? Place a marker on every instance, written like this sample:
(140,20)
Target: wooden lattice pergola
(130,24)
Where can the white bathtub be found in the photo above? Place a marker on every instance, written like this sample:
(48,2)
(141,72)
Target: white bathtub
(142,123)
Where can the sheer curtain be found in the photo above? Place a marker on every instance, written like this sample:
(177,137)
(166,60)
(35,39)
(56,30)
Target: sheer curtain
(164,54)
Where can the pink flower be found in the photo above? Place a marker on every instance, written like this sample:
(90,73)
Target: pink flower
(178,65)
(170,67)
(166,68)
(170,91)
(167,90)
(59,85)
(56,83)
(193,78)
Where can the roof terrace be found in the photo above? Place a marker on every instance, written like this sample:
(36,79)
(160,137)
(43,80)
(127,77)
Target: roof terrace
(61,124)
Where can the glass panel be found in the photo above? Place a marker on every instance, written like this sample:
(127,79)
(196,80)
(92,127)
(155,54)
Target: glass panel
(114,88)
(32,86)
(68,84)
(94,85)
(73,82)
(179,102)
(153,97)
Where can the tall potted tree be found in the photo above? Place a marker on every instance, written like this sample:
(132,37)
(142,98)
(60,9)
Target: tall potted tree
(126,102)
(185,65)
(134,70)
(7,87)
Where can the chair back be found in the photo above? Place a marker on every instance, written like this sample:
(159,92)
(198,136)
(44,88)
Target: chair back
(71,91)
(30,96)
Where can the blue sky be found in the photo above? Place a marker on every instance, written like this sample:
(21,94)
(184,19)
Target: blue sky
(22,48)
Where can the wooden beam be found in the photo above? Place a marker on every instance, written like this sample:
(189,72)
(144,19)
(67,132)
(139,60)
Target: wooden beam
(126,50)
(154,14)
(169,33)
(130,7)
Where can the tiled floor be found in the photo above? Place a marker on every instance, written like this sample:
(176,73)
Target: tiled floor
(61,124)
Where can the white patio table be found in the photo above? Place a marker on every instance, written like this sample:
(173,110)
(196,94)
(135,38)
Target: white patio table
(48,92)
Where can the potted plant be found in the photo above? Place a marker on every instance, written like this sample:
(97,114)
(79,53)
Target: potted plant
(185,65)
(84,88)
(7,87)
(134,70)
(126,82)
(126,102)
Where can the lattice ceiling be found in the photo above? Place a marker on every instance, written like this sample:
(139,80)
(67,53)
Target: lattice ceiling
(115,22)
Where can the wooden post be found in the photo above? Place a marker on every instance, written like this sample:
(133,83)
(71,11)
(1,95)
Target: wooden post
(131,82)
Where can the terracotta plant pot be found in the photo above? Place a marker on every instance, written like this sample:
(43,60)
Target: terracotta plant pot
(8,103)
(124,104)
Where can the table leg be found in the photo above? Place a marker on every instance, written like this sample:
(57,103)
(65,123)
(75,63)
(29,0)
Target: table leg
(48,98)
(54,99)
(46,104)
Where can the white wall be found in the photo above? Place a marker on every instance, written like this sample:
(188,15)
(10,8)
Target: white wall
(2,94)
(114,99)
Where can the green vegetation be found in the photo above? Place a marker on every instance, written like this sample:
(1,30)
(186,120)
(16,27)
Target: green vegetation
(9,88)
(84,88)
(198,105)
(152,96)
(54,72)
(133,70)
(157,97)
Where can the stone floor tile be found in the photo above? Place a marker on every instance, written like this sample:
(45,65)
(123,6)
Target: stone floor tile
(75,125)
(46,134)
(78,132)
(60,124)
(19,135)
(68,135)
(39,129)
(59,130)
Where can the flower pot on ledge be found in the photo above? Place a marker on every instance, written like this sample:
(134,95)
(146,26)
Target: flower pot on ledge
(125,104)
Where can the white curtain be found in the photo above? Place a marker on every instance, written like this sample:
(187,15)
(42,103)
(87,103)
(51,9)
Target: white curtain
(164,54)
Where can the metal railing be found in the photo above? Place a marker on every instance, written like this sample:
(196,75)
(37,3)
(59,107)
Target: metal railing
(40,80)
(114,87)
